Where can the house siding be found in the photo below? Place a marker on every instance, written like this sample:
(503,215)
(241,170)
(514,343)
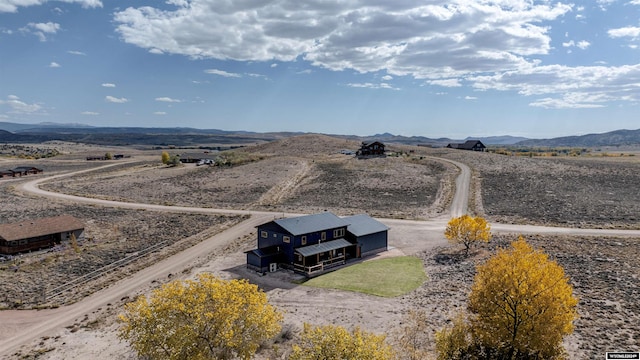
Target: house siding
(372,243)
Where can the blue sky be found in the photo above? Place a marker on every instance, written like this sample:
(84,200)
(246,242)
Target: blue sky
(409,67)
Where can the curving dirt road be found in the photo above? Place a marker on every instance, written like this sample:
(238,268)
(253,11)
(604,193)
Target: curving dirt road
(408,235)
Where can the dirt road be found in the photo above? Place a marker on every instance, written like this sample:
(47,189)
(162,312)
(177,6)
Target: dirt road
(24,327)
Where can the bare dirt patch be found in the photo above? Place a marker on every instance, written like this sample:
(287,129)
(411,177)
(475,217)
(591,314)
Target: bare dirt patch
(287,179)
(588,192)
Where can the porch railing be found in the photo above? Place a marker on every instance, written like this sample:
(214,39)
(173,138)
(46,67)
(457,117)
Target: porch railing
(321,266)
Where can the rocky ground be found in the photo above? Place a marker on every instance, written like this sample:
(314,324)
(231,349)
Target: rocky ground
(296,177)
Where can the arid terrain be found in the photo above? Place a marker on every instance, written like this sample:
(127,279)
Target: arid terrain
(293,176)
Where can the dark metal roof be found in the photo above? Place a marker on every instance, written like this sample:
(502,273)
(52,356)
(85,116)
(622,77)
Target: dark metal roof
(265,252)
(39,227)
(323,247)
(363,224)
(311,223)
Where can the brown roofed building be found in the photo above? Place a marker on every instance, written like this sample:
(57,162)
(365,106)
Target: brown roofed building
(38,234)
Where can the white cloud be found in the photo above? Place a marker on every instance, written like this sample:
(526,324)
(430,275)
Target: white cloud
(387,78)
(222,73)
(54,65)
(168,99)
(112,99)
(75,52)
(49,27)
(41,29)
(551,103)
(20,107)
(159,113)
(568,87)
(582,44)
(491,45)
(372,86)
(470,98)
(446,82)
(441,39)
(274,65)
(629,31)
(90,113)
(108,85)
(13,5)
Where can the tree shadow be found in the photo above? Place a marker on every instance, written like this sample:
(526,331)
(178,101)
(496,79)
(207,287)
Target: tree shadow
(450,258)
(281,279)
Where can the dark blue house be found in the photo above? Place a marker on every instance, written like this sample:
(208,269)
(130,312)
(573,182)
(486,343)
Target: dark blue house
(312,244)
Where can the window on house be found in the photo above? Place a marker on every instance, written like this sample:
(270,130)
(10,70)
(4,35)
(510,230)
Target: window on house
(303,239)
(323,236)
(264,234)
(338,233)
(286,239)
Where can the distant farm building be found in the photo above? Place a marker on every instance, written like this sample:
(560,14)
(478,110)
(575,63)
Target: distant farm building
(473,145)
(375,148)
(20,171)
(197,158)
(38,234)
(314,244)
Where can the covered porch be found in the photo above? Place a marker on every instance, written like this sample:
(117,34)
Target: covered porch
(315,259)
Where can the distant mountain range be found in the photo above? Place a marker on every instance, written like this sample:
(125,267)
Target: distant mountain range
(35,133)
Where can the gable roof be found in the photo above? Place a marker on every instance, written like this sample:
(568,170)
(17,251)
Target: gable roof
(363,224)
(311,223)
(365,143)
(39,227)
(469,144)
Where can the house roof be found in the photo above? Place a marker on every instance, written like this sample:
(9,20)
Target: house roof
(265,252)
(363,224)
(39,227)
(25,168)
(467,145)
(323,247)
(311,223)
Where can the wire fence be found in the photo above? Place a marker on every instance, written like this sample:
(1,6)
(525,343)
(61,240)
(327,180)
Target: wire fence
(81,280)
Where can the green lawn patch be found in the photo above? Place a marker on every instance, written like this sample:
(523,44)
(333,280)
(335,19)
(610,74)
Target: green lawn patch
(385,277)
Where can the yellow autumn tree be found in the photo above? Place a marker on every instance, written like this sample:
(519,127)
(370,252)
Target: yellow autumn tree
(468,230)
(522,302)
(336,342)
(207,318)
(521,307)
(166,158)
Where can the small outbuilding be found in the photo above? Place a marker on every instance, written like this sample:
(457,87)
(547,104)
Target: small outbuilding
(38,234)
